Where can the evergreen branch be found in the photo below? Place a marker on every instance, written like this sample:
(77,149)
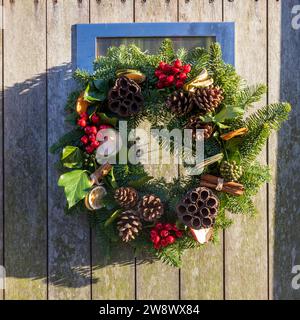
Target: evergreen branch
(250,95)
(69,138)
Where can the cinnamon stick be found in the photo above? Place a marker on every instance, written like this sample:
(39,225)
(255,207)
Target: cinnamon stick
(100,173)
(235,133)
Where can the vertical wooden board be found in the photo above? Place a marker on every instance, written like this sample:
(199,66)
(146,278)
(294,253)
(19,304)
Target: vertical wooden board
(202,270)
(157,280)
(1,148)
(246,262)
(284,66)
(25,149)
(69,236)
(114,279)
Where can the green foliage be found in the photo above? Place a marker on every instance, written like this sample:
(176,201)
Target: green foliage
(76,184)
(72,157)
(69,138)
(166,51)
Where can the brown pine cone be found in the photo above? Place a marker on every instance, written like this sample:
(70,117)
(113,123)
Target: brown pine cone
(125,98)
(126,197)
(206,99)
(129,225)
(150,207)
(195,123)
(179,103)
(198,209)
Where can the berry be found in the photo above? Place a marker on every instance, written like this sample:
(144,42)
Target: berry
(157,246)
(164,233)
(179,84)
(164,243)
(170,79)
(159,226)
(175,70)
(84,139)
(95,118)
(170,239)
(166,68)
(177,63)
(89,149)
(87,130)
(95,144)
(104,127)
(160,85)
(162,77)
(182,76)
(168,226)
(84,116)
(161,65)
(153,233)
(158,73)
(92,137)
(81,123)
(186,68)
(179,234)
(93,130)
(156,240)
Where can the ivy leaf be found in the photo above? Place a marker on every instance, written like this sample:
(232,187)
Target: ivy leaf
(228,113)
(96,90)
(105,119)
(76,184)
(71,157)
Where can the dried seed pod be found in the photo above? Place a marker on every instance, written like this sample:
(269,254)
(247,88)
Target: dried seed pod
(126,197)
(198,209)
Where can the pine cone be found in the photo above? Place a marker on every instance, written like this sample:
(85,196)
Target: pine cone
(231,171)
(150,207)
(179,103)
(195,123)
(125,98)
(198,209)
(126,197)
(206,99)
(129,225)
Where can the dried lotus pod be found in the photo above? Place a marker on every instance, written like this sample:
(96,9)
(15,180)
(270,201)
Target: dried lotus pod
(198,209)
(125,98)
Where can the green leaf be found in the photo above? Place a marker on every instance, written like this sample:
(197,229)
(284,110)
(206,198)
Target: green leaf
(228,113)
(69,138)
(113,217)
(76,184)
(110,179)
(72,157)
(139,182)
(96,90)
(105,119)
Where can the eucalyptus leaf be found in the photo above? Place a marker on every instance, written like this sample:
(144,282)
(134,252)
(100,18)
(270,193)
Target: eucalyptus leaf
(72,157)
(76,184)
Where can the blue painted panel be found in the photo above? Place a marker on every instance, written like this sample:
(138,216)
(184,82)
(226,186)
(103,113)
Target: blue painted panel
(85,36)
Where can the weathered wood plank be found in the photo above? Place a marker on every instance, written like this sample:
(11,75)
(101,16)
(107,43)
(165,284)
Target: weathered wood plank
(157,280)
(246,267)
(25,149)
(284,66)
(1,149)
(112,281)
(69,237)
(202,271)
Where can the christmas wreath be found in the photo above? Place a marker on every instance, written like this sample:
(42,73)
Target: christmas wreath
(180,89)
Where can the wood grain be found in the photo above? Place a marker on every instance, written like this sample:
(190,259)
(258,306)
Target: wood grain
(246,265)
(157,280)
(114,279)
(284,66)
(202,271)
(25,149)
(69,237)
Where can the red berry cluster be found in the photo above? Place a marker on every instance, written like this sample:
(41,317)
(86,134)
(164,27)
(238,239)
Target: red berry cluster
(164,234)
(91,127)
(171,74)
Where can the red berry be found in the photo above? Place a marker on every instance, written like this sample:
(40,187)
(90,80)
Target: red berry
(89,149)
(175,70)
(87,130)
(153,233)
(157,246)
(170,239)
(84,139)
(95,118)
(95,144)
(179,234)
(161,65)
(179,84)
(164,242)
(160,85)
(164,233)
(156,240)
(84,116)
(81,123)
(93,130)
(182,76)
(186,68)
(166,68)
(92,137)
(170,79)
(177,63)
(104,127)
(157,73)
(159,226)
(162,77)
(168,226)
